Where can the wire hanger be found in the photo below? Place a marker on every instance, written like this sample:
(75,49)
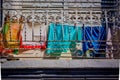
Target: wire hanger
(43,19)
(72,19)
(87,19)
(51,18)
(80,19)
(66,18)
(95,20)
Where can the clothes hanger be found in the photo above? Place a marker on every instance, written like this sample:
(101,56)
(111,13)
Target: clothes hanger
(51,18)
(36,18)
(95,20)
(66,19)
(87,20)
(37,21)
(72,19)
(43,19)
(58,18)
(29,20)
(14,19)
(80,19)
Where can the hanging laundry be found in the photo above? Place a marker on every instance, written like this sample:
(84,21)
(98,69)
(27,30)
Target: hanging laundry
(92,35)
(109,46)
(62,38)
(3,52)
(40,36)
(6,28)
(1,44)
(55,36)
(12,35)
(79,49)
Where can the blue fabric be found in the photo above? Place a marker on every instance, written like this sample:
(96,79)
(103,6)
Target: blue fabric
(62,37)
(92,34)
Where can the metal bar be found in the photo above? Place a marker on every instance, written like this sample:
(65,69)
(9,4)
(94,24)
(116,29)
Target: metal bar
(67,41)
(83,9)
(58,57)
(33,25)
(62,1)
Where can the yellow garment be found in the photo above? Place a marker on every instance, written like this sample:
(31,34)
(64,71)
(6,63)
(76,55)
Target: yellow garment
(12,35)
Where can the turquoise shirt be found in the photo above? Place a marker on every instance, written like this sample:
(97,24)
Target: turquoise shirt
(62,37)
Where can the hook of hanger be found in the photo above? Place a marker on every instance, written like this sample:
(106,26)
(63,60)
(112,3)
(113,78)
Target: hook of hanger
(43,18)
(95,19)
(14,18)
(51,18)
(80,19)
(72,19)
(87,18)
(58,19)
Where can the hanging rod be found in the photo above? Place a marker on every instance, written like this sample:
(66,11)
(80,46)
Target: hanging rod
(61,9)
(105,6)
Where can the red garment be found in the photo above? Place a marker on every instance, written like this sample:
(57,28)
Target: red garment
(43,46)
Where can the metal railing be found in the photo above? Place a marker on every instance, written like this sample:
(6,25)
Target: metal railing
(91,15)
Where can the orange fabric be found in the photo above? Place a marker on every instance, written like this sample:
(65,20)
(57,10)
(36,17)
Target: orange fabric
(12,36)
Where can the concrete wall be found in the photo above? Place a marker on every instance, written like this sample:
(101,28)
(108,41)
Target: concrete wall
(0,13)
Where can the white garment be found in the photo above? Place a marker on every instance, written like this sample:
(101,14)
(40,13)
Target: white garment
(109,37)
(36,31)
